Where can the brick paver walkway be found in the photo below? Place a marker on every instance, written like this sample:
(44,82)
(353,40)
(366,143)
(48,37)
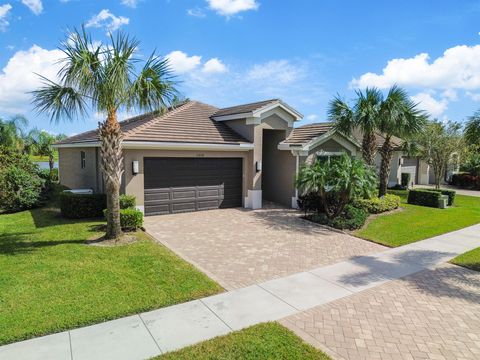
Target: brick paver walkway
(433,314)
(238,247)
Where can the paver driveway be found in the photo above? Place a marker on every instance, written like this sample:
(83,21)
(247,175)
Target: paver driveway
(433,314)
(239,247)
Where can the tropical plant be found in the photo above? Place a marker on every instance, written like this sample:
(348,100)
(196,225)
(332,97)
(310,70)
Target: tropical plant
(399,117)
(41,143)
(104,78)
(12,132)
(364,115)
(337,182)
(437,145)
(472,130)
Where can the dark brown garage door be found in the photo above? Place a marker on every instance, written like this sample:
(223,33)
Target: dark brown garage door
(174,185)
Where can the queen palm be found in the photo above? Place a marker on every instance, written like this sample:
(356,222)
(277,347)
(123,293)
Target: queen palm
(363,116)
(400,117)
(105,79)
(11,132)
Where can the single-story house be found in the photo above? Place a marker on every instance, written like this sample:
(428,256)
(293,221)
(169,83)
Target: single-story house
(196,156)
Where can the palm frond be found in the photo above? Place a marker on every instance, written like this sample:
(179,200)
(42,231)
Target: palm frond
(341,115)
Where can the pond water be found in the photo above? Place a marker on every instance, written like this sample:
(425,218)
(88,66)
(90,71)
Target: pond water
(44,164)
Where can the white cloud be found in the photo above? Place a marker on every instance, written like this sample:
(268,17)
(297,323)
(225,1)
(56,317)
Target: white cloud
(130,3)
(431,105)
(4,10)
(473,96)
(18,77)
(311,117)
(35,6)
(214,65)
(457,68)
(180,62)
(280,72)
(107,20)
(196,12)
(232,7)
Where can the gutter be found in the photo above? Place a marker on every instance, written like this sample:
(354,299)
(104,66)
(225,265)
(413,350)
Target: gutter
(165,146)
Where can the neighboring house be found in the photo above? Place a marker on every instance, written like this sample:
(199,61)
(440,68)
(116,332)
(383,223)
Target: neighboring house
(198,157)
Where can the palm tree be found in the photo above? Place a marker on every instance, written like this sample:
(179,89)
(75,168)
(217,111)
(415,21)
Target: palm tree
(472,130)
(400,117)
(106,79)
(12,132)
(363,116)
(41,143)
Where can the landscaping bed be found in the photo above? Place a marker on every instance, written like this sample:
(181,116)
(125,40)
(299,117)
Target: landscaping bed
(51,280)
(264,341)
(416,223)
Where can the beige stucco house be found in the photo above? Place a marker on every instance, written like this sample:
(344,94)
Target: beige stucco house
(198,157)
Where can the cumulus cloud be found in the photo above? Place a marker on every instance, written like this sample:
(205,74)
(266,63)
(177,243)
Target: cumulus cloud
(232,7)
(457,68)
(214,65)
(35,6)
(431,105)
(281,72)
(107,20)
(4,10)
(130,3)
(181,63)
(16,82)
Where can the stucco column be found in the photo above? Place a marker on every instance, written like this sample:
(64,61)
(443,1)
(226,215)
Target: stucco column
(254,199)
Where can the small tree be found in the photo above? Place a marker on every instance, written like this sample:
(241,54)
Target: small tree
(12,132)
(42,145)
(337,182)
(472,130)
(437,144)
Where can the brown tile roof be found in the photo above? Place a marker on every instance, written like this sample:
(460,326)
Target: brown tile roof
(245,108)
(188,123)
(304,134)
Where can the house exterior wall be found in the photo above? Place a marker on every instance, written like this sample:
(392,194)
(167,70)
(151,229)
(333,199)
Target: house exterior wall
(71,173)
(134,184)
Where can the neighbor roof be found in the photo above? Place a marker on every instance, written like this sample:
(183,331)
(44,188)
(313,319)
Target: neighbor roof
(306,133)
(190,122)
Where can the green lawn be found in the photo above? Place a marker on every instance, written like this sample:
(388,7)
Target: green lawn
(264,341)
(470,260)
(51,281)
(416,223)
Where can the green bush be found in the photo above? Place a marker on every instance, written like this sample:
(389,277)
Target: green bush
(309,203)
(424,197)
(82,206)
(20,189)
(378,205)
(130,219)
(450,193)
(127,201)
(352,218)
(406,179)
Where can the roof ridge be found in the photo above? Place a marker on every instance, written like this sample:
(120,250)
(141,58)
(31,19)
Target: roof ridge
(250,103)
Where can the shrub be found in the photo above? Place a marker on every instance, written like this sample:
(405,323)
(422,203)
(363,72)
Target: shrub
(81,206)
(309,203)
(378,205)
(398,187)
(130,219)
(424,197)
(20,189)
(406,179)
(127,201)
(350,219)
(450,193)
(466,181)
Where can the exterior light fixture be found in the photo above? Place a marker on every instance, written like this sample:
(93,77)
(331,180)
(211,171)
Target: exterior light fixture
(135,167)
(258,166)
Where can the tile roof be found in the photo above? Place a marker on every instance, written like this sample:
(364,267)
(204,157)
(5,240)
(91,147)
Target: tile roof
(245,108)
(187,123)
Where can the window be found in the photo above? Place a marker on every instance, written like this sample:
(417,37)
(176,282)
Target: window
(82,159)
(324,156)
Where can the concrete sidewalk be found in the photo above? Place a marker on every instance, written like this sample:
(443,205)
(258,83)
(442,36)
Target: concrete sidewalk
(152,333)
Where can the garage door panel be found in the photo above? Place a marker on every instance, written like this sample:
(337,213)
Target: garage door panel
(174,185)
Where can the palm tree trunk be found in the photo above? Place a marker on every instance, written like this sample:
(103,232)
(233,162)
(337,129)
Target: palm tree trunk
(369,147)
(51,164)
(112,166)
(386,152)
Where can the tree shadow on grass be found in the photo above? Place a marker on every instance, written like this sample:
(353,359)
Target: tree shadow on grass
(418,268)
(50,216)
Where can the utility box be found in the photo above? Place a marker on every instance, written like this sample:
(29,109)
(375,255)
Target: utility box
(443,202)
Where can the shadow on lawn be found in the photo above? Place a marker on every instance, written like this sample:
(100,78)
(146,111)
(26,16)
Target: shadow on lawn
(442,281)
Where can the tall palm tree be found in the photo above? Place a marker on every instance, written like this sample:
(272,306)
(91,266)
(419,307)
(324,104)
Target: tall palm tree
(363,116)
(12,132)
(106,79)
(400,117)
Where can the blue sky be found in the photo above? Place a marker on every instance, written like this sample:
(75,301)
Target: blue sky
(227,52)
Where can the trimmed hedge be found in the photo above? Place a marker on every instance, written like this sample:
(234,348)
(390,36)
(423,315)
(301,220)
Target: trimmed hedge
(466,181)
(82,206)
(424,197)
(379,205)
(352,218)
(130,219)
(450,193)
(406,179)
(127,201)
